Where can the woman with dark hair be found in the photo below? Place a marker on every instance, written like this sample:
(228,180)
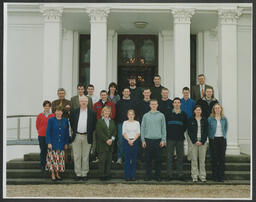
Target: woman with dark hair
(112,93)
(41,124)
(198,132)
(57,138)
(218,126)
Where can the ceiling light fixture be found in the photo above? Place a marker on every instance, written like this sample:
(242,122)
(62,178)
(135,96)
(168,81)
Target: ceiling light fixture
(140,24)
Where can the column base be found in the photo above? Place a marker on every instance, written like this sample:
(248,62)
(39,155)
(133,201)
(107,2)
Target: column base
(233,150)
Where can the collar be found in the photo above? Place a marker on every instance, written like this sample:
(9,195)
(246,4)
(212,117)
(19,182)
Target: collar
(83,110)
(175,112)
(132,87)
(48,114)
(126,99)
(103,118)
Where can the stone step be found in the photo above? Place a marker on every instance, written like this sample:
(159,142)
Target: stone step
(229,158)
(37,181)
(20,164)
(116,174)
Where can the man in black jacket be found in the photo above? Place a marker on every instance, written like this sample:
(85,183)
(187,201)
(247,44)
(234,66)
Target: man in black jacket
(165,104)
(82,122)
(136,92)
(176,125)
(156,88)
(122,107)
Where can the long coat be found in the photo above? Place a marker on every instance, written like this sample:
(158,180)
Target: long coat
(75,102)
(103,133)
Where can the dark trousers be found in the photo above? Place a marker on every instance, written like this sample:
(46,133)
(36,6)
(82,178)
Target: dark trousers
(153,151)
(43,151)
(179,146)
(218,149)
(130,157)
(105,159)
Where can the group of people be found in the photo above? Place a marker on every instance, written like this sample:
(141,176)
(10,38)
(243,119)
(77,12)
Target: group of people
(140,122)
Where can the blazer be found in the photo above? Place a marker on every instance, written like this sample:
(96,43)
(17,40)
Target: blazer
(212,126)
(193,129)
(75,102)
(91,120)
(103,133)
(57,135)
(196,94)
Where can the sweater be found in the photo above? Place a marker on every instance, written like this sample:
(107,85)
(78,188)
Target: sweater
(115,99)
(41,123)
(212,126)
(122,107)
(193,129)
(207,108)
(136,94)
(164,106)
(142,108)
(187,106)
(153,126)
(98,106)
(156,92)
(176,125)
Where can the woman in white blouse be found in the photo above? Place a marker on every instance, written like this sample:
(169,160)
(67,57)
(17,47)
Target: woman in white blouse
(131,133)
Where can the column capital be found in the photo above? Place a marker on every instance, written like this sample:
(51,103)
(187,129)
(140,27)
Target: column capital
(182,15)
(98,14)
(51,14)
(229,16)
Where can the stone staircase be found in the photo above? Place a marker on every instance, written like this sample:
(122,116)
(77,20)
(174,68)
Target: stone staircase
(27,171)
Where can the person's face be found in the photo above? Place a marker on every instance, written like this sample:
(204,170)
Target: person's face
(176,104)
(83,103)
(90,90)
(106,113)
(112,89)
(146,94)
(157,80)
(58,113)
(126,93)
(217,109)
(131,116)
(80,90)
(153,105)
(164,94)
(198,111)
(47,108)
(132,82)
(185,93)
(61,95)
(104,96)
(208,93)
(201,80)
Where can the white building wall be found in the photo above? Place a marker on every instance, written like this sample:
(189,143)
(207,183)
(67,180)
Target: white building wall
(244,82)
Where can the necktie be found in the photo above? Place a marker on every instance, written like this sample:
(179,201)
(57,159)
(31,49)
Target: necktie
(60,103)
(202,92)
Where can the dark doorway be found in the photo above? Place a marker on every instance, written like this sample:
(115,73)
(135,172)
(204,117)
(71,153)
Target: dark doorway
(137,56)
(192,60)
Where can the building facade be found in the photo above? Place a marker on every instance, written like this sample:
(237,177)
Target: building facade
(57,45)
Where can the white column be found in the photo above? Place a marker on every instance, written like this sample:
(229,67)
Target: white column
(98,62)
(112,57)
(181,29)
(227,33)
(199,53)
(52,50)
(75,73)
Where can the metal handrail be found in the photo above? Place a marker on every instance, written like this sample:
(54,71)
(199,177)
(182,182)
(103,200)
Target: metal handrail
(21,116)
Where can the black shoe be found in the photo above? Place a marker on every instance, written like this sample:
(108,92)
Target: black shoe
(77,178)
(147,179)
(158,179)
(85,178)
(108,178)
(169,178)
(103,178)
(127,179)
(133,179)
(182,178)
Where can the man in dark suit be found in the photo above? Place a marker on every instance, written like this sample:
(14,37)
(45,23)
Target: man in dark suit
(198,91)
(82,122)
(75,99)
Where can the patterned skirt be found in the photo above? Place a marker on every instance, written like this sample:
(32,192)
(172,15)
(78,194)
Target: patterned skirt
(55,160)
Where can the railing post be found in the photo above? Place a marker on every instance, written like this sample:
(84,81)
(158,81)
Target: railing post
(18,129)
(30,125)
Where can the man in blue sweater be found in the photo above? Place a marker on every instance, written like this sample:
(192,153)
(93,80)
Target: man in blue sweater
(176,124)
(153,138)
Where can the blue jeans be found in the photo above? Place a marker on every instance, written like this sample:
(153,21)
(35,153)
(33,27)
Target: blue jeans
(43,151)
(130,156)
(120,141)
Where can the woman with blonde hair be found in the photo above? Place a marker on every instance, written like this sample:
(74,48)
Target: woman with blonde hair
(217,127)
(105,134)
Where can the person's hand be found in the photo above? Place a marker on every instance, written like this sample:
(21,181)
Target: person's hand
(162,144)
(50,146)
(65,146)
(130,142)
(109,142)
(144,145)
(198,143)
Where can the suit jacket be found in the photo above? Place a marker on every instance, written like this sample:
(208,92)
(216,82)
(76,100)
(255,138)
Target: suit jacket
(65,102)
(196,94)
(91,120)
(103,133)
(75,102)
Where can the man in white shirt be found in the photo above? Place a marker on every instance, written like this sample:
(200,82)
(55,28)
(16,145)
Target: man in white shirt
(82,122)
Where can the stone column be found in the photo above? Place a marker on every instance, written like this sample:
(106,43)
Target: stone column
(181,30)
(199,53)
(52,50)
(98,68)
(227,35)
(112,57)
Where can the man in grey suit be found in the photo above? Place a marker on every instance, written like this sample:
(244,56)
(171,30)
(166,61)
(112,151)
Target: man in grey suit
(198,91)
(75,99)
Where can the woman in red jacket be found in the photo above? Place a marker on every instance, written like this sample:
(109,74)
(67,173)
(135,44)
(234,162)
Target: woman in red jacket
(41,124)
